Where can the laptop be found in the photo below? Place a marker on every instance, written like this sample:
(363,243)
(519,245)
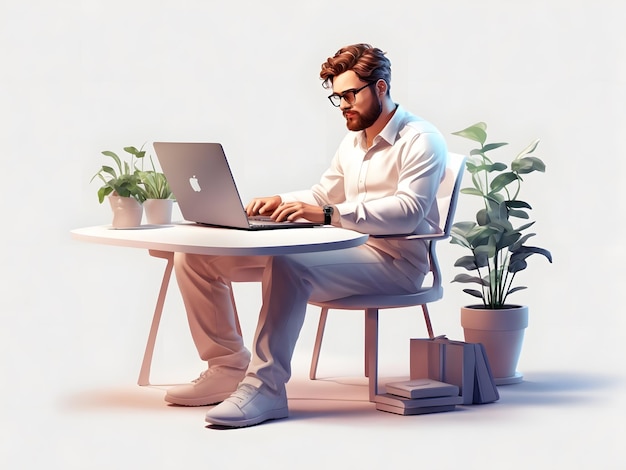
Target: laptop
(203,185)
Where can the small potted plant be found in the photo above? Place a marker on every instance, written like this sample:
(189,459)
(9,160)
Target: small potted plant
(159,197)
(498,251)
(123,186)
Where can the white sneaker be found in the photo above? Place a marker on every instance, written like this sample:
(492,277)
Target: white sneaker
(249,406)
(213,386)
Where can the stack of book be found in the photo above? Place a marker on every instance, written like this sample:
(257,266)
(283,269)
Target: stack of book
(456,362)
(443,373)
(419,396)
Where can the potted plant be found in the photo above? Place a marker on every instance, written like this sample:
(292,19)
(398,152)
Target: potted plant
(123,186)
(159,197)
(498,252)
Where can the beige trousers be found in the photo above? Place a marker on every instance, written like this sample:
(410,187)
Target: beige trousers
(288,282)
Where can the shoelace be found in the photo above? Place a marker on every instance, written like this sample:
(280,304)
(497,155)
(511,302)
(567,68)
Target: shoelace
(243,393)
(202,376)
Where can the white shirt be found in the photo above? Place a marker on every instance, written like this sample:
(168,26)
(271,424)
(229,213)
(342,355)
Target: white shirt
(387,189)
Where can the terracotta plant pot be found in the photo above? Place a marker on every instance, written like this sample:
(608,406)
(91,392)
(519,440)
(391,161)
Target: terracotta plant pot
(127,212)
(158,211)
(501,331)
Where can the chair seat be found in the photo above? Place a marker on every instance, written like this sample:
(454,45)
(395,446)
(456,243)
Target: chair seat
(360,302)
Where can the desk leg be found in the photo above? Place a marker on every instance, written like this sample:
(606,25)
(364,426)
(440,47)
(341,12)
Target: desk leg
(144,374)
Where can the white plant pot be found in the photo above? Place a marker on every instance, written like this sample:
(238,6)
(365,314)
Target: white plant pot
(158,211)
(501,331)
(127,212)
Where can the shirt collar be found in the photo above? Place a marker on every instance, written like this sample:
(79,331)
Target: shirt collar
(391,131)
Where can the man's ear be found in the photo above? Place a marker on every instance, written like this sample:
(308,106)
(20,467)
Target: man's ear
(381,87)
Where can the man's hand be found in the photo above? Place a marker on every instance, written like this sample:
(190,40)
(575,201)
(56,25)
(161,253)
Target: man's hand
(274,207)
(298,210)
(263,205)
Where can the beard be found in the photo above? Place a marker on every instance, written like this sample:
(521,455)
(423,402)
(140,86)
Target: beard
(361,121)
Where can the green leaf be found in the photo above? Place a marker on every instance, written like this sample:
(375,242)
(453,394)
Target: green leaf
(517,245)
(102,192)
(474,292)
(494,198)
(518,204)
(463,226)
(108,153)
(518,214)
(459,240)
(528,165)
(109,170)
(515,289)
(525,226)
(477,133)
(531,148)
(518,257)
(482,217)
(483,253)
(479,235)
(502,180)
(114,156)
(488,147)
(466,278)
(467,262)
(472,192)
(507,240)
(489,167)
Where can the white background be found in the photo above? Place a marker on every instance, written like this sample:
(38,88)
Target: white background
(79,77)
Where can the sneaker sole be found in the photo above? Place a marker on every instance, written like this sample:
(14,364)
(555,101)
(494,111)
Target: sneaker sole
(203,401)
(270,415)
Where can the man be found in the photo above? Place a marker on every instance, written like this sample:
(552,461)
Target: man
(382,180)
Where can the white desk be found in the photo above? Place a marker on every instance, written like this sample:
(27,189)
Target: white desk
(163,241)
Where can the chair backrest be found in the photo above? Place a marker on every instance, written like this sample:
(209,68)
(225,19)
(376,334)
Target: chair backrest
(448,192)
(447,198)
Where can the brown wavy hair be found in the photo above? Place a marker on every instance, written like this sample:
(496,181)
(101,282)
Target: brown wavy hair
(367,62)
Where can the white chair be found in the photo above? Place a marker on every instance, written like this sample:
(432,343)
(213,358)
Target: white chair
(447,196)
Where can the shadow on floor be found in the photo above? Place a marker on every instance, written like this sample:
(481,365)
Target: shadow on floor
(336,396)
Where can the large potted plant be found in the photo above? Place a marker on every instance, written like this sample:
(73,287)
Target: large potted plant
(498,252)
(123,186)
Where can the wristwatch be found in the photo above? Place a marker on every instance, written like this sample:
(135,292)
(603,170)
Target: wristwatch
(328,214)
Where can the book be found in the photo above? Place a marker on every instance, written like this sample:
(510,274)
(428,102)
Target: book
(426,359)
(408,403)
(459,363)
(421,388)
(485,390)
(414,411)
(445,360)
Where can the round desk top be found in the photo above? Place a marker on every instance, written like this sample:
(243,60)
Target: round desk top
(192,238)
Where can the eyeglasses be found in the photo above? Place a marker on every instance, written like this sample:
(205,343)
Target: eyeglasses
(349,96)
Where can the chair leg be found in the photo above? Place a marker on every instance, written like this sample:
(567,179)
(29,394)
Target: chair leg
(144,373)
(366,353)
(429,326)
(371,348)
(318,343)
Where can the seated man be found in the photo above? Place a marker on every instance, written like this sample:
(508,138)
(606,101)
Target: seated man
(382,180)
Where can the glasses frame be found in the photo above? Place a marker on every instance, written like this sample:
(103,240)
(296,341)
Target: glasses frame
(342,96)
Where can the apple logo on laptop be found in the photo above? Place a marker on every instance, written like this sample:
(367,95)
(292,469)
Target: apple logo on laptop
(195,185)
